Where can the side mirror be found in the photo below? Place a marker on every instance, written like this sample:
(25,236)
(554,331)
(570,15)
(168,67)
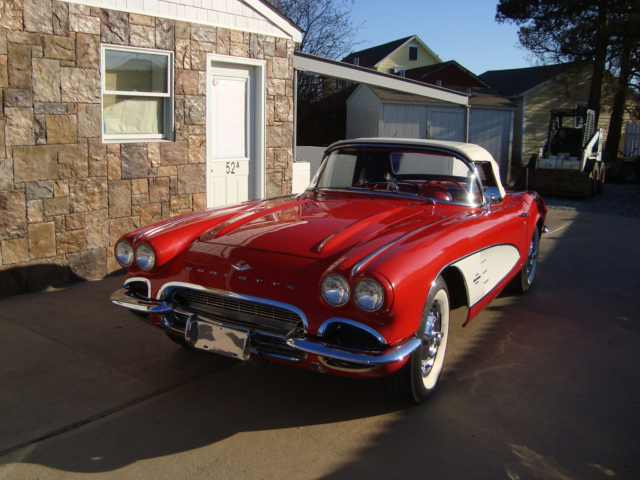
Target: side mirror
(492,195)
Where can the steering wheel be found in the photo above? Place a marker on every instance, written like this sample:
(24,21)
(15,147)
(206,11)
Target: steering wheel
(446,179)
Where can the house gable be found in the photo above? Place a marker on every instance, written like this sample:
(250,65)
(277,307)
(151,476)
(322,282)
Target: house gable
(405,53)
(369,57)
(400,58)
(447,74)
(252,16)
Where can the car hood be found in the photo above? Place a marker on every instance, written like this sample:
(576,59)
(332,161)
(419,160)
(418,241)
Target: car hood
(321,226)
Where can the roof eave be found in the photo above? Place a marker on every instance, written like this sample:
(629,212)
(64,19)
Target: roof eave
(277,18)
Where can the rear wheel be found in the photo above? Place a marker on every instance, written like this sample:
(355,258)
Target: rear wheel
(629,173)
(522,282)
(418,378)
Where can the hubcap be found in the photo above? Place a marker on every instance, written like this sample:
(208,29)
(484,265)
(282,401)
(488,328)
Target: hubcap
(532,260)
(432,340)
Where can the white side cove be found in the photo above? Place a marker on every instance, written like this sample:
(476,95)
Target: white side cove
(483,270)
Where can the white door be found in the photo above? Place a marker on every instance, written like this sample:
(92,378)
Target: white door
(232,134)
(446,124)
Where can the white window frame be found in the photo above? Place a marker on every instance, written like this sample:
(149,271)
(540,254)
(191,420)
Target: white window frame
(168,96)
(400,71)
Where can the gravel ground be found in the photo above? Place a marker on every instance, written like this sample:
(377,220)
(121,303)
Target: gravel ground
(615,199)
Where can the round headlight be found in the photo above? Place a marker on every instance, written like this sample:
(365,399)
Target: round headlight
(369,295)
(335,290)
(124,253)
(145,256)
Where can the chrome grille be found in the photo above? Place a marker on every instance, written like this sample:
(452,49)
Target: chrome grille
(238,310)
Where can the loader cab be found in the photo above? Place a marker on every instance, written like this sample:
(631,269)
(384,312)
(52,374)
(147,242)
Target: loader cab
(569,131)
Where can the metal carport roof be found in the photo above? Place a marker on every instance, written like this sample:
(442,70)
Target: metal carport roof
(304,62)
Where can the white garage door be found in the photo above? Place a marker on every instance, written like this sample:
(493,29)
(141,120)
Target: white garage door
(446,124)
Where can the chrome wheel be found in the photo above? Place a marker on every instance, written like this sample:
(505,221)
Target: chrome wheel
(522,282)
(532,260)
(434,339)
(419,376)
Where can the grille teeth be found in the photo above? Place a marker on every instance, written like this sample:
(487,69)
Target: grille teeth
(239,310)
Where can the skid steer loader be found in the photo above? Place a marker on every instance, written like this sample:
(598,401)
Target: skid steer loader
(570,160)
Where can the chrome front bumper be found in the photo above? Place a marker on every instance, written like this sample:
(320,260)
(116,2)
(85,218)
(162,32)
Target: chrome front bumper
(124,299)
(384,357)
(214,334)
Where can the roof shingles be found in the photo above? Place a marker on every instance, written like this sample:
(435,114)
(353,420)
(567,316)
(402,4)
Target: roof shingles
(515,82)
(371,56)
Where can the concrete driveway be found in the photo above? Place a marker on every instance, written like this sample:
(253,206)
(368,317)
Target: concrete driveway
(545,385)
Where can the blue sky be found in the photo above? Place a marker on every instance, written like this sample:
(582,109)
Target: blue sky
(461,30)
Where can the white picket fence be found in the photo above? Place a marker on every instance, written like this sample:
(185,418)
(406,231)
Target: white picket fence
(632,140)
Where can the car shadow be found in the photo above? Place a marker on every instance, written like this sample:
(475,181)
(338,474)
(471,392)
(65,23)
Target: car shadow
(235,398)
(238,399)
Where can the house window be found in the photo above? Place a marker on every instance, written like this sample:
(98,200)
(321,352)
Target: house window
(356,60)
(137,94)
(413,52)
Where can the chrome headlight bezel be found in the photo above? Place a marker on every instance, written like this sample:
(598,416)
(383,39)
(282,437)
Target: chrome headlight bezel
(369,295)
(335,290)
(145,256)
(124,253)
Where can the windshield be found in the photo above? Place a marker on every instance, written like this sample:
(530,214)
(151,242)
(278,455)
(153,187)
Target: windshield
(432,174)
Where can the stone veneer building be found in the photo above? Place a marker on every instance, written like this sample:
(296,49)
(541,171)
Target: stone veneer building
(85,157)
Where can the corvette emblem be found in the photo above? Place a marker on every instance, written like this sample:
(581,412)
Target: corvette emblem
(242,268)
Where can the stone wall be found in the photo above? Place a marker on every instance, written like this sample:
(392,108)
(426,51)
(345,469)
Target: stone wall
(65,196)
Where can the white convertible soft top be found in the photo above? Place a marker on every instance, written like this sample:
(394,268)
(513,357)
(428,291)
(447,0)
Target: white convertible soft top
(470,151)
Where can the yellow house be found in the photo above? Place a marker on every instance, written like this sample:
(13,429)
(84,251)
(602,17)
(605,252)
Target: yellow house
(395,57)
(537,90)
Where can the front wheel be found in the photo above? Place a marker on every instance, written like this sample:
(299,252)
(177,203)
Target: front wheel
(415,381)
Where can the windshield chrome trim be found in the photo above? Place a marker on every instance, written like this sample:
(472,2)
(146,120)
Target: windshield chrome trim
(469,163)
(466,160)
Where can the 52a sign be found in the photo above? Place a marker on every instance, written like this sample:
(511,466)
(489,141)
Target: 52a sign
(231,167)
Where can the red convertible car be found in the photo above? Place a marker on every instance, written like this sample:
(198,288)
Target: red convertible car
(356,276)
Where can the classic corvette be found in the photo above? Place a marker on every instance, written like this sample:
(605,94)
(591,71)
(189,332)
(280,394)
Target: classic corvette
(356,276)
